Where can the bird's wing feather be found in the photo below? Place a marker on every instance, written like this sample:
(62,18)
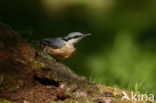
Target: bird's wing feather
(53,42)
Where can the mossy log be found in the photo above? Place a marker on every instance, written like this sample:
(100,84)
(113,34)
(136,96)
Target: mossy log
(24,72)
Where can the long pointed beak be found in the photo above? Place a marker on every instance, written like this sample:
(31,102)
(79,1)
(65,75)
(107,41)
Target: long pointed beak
(85,35)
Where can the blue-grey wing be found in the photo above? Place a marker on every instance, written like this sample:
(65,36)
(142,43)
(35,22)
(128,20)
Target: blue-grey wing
(54,42)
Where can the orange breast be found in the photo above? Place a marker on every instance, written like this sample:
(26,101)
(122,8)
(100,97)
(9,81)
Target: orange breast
(62,53)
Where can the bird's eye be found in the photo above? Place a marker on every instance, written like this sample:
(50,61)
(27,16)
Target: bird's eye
(77,36)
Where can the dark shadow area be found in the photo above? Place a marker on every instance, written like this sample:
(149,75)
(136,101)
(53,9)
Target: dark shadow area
(46,81)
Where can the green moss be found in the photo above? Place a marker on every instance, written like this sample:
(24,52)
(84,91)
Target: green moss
(13,89)
(69,94)
(31,92)
(4,101)
(20,83)
(37,65)
(53,102)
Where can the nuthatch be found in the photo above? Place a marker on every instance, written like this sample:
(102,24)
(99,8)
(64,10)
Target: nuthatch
(61,48)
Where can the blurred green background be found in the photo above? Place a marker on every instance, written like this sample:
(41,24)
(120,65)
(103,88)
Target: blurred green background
(122,49)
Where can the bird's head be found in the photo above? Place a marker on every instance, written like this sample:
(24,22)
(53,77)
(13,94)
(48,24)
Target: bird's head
(75,37)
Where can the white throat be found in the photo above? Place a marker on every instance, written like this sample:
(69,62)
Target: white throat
(74,41)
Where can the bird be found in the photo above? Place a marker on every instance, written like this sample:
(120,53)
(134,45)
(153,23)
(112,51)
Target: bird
(61,48)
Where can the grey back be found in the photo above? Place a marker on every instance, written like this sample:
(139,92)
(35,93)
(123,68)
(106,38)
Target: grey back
(54,42)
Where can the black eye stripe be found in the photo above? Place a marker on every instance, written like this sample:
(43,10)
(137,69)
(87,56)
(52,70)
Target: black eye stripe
(74,37)
(77,36)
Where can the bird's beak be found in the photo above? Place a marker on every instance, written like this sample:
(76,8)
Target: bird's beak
(85,35)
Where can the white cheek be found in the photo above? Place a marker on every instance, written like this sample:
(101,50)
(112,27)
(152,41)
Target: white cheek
(74,41)
(71,41)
